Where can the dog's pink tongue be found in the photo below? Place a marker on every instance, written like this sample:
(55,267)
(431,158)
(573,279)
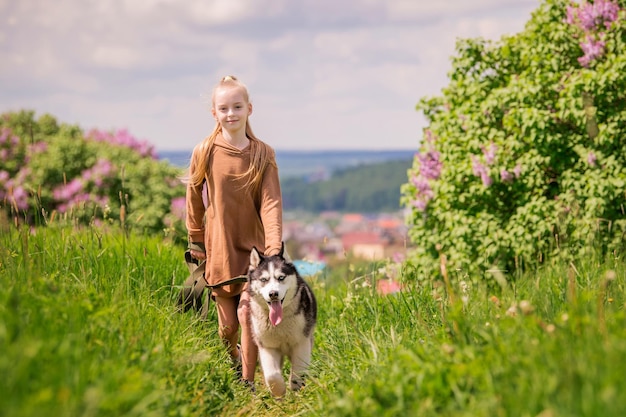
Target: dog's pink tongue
(276,312)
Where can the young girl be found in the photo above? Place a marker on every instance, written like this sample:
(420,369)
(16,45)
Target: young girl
(243,210)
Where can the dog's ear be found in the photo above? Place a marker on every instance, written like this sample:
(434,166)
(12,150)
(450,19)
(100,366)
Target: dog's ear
(255,258)
(284,254)
(282,249)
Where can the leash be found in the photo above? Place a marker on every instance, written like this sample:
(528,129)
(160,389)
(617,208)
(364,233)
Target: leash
(191,295)
(197,272)
(235,280)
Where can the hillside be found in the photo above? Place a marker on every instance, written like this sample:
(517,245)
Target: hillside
(368,188)
(88,327)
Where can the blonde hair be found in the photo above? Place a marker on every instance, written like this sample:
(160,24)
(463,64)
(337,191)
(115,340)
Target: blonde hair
(259,152)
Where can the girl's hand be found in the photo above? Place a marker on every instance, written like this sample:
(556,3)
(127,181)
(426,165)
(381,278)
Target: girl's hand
(197,254)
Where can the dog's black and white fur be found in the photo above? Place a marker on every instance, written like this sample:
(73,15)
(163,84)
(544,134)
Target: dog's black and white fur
(283,316)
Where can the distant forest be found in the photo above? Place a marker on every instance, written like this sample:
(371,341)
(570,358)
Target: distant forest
(371,188)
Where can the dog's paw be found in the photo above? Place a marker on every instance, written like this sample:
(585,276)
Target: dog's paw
(276,384)
(297,383)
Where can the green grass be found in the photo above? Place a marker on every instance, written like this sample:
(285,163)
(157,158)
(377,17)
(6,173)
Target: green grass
(88,327)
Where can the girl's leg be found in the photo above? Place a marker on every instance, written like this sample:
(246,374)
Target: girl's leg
(249,350)
(228,324)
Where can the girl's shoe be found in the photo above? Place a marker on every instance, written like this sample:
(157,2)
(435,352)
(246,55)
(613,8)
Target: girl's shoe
(250,385)
(237,363)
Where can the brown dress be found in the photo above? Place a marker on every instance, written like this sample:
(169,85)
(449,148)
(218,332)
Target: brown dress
(234,219)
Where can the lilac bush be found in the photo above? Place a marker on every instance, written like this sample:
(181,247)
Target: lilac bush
(49,171)
(531,161)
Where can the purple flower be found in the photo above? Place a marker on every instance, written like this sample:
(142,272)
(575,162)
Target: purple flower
(423,192)
(19,197)
(477,166)
(428,168)
(608,10)
(572,15)
(123,138)
(103,200)
(421,184)
(486,179)
(589,16)
(592,49)
(481,171)
(98,172)
(420,204)
(429,165)
(81,198)
(38,147)
(591,159)
(490,153)
(67,191)
(429,136)
(178,207)
(76,191)
(517,171)
(14,189)
(506,176)
(4,134)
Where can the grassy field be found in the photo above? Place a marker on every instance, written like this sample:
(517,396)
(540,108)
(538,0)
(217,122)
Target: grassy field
(88,327)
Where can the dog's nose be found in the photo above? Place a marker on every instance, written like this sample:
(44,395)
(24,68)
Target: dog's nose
(273,295)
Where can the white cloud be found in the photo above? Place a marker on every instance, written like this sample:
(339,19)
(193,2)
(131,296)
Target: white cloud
(117,56)
(321,73)
(411,9)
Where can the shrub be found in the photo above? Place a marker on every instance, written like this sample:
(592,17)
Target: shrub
(50,171)
(524,157)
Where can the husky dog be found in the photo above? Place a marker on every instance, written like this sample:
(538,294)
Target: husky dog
(283,316)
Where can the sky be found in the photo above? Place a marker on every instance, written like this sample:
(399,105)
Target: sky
(322,74)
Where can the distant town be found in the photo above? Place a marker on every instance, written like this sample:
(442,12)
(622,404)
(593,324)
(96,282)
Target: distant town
(328,236)
(335,236)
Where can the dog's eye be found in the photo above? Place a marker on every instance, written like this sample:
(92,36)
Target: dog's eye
(280,278)
(263,279)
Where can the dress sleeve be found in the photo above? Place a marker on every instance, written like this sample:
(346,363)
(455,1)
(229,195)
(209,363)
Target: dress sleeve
(272,208)
(194,206)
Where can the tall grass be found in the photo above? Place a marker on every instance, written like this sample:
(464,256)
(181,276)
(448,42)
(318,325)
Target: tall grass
(88,327)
